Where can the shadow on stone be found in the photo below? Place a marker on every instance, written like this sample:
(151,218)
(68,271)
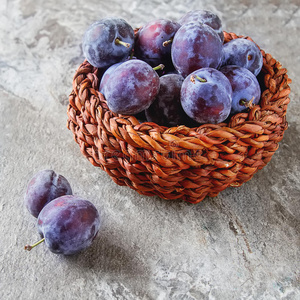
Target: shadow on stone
(107,257)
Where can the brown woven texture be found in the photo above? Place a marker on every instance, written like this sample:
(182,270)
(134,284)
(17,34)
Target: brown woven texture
(179,162)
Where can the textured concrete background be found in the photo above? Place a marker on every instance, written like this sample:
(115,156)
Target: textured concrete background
(243,244)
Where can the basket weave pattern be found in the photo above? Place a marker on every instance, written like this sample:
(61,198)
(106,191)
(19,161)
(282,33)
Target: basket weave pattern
(179,162)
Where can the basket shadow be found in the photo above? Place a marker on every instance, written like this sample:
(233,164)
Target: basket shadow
(236,210)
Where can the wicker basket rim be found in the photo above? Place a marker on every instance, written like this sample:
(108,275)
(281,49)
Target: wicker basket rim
(152,136)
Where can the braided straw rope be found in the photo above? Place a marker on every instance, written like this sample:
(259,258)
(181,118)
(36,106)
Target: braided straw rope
(179,162)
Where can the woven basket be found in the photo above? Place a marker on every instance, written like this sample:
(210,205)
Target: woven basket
(179,162)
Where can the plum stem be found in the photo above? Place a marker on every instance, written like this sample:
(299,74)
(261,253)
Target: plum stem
(159,67)
(193,77)
(29,247)
(247,103)
(166,43)
(119,42)
(131,55)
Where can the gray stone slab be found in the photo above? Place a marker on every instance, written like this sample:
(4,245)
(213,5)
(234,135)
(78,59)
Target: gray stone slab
(242,244)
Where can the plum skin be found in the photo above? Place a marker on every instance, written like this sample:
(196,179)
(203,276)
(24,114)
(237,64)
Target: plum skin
(69,224)
(45,186)
(208,101)
(243,53)
(106,76)
(196,46)
(245,87)
(149,42)
(205,17)
(99,42)
(166,109)
(131,88)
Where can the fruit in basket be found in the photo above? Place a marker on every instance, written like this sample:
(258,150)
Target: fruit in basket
(195,46)
(245,88)
(243,53)
(206,96)
(204,17)
(193,43)
(107,73)
(132,87)
(153,42)
(68,224)
(108,41)
(45,186)
(166,109)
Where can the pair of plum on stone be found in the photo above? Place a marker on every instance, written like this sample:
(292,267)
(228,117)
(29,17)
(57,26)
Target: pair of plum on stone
(67,223)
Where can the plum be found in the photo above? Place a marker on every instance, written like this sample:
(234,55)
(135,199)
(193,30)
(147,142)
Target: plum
(153,42)
(132,87)
(68,225)
(245,88)
(166,109)
(206,96)
(108,41)
(195,46)
(45,186)
(243,53)
(205,17)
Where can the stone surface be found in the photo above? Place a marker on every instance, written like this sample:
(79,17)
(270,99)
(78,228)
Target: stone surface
(243,244)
